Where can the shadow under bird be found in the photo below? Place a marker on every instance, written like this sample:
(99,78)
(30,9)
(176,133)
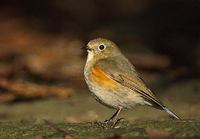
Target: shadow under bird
(113,80)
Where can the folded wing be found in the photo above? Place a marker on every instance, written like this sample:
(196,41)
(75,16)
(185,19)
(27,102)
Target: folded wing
(122,71)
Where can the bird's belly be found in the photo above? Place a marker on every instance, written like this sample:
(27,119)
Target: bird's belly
(115,98)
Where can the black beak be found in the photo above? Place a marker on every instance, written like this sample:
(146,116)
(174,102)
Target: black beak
(86,48)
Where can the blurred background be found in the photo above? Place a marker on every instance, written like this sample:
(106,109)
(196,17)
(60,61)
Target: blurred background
(41,61)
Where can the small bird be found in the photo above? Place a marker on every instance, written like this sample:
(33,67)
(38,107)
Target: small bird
(113,80)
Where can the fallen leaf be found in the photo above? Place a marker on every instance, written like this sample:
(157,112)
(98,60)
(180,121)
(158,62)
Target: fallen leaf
(15,89)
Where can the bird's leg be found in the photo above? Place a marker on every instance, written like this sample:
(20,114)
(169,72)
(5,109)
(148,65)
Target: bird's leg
(113,116)
(114,119)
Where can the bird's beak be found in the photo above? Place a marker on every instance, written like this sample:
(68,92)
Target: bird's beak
(86,48)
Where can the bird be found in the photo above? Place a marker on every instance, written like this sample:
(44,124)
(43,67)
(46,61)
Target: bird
(114,81)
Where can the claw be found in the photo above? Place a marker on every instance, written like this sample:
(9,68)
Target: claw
(114,124)
(108,121)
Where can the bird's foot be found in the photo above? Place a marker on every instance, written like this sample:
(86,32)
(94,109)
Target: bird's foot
(112,123)
(109,123)
(115,124)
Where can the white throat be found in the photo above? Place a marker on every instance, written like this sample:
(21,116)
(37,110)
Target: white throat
(90,56)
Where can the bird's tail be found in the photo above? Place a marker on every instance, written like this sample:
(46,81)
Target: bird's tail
(170,112)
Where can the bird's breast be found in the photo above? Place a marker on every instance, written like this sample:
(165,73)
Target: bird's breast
(100,78)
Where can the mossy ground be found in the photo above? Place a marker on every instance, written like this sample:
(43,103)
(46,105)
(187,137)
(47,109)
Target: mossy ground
(166,128)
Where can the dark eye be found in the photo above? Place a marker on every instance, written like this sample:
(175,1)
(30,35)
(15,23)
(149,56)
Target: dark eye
(101,47)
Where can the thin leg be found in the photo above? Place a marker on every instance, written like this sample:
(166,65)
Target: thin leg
(115,115)
(113,120)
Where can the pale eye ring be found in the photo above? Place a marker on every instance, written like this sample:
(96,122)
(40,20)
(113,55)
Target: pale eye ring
(102,47)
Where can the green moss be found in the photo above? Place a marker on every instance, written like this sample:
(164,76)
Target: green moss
(31,129)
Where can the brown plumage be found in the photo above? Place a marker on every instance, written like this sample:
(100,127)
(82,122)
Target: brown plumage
(114,81)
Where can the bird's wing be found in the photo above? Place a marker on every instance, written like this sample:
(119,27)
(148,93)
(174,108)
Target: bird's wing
(123,72)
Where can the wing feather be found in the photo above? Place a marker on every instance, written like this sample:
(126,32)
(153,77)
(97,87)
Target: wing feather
(129,78)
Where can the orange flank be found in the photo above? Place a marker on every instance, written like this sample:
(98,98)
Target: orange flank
(100,77)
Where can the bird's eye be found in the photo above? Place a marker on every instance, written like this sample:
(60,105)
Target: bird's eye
(101,47)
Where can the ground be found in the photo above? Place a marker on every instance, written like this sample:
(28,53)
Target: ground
(77,117)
